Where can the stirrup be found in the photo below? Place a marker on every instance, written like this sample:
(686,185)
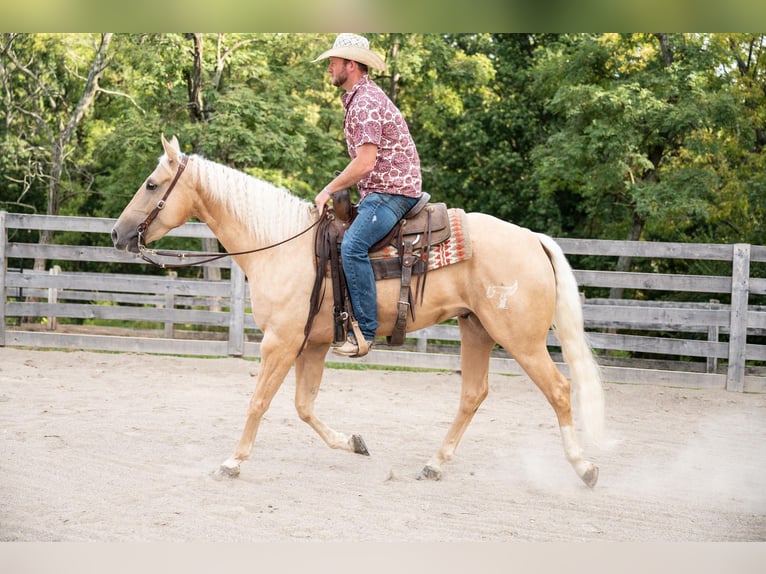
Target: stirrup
(352,349)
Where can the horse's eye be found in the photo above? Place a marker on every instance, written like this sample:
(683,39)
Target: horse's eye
(150,186)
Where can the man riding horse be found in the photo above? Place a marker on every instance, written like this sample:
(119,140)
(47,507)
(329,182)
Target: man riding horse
(385,167)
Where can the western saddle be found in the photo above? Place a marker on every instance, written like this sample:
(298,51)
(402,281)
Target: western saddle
(423,226)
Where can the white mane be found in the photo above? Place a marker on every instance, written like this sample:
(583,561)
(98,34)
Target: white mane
(270,213)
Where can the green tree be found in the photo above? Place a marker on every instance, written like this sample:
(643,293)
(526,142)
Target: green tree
(644,124)
(651,136)
(51,83)
(439,85)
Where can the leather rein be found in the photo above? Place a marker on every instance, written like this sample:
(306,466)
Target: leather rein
(146,254)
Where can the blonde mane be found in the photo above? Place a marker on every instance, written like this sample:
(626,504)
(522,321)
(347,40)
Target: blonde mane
(268,212)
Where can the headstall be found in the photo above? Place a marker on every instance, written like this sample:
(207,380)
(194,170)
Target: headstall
(207,256)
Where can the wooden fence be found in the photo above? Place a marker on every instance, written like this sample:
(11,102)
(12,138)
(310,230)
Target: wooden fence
(685,343)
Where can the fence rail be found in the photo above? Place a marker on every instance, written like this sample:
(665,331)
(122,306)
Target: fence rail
(685,343)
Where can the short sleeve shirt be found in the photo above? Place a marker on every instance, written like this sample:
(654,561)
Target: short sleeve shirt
(371,117)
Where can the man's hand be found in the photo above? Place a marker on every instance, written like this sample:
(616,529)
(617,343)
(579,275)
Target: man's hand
(321,199)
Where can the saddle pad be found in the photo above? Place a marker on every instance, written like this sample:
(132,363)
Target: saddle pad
(456,249)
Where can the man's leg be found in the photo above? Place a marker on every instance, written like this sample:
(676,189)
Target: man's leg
(377,214)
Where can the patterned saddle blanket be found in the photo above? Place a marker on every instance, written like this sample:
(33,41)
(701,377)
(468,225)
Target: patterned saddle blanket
(456,247)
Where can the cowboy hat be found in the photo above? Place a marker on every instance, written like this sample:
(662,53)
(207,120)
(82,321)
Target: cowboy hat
(356,48)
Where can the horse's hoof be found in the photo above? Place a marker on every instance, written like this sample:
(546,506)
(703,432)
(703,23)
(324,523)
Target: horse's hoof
(357,445)
(430,473)
(590,478)
(228,469)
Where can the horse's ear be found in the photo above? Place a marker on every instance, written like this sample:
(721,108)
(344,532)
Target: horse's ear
(172,148)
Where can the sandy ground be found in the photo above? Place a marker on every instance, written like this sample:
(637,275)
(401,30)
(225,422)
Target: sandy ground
(122,447)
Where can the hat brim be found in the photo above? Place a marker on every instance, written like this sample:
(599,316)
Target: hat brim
(356,54)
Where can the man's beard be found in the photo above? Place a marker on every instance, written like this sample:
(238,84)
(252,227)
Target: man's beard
(340,79)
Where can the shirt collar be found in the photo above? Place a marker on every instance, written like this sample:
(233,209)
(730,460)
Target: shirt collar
(348,96)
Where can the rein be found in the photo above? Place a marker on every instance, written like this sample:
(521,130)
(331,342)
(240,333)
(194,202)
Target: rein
(146,254)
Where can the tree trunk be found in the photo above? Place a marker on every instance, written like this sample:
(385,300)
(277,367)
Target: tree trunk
(655,155)
(393,84)
(66,134)
(194,81)
(623,262)
(667,53)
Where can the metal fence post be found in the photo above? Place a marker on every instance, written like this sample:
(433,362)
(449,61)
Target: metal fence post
(740,288)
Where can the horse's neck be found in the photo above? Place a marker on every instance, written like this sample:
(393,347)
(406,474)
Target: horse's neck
(233,235)
(245,213)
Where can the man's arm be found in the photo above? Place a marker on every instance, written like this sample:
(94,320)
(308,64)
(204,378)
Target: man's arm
(359,167)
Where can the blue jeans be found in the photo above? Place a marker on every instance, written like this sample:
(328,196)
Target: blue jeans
(376,216)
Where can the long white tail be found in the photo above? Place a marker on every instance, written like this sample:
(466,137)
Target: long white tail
(570,329)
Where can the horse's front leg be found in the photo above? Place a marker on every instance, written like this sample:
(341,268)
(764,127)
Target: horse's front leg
(308,376)
(276,360)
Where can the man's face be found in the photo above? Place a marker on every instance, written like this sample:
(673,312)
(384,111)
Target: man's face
(337,70)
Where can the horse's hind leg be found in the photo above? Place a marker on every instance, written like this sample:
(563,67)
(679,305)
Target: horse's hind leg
(476,346)
(308,375)
(556,388)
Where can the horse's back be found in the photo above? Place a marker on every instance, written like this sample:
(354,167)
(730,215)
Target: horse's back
(507,246)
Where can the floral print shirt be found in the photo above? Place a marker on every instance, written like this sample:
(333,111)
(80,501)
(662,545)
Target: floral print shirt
(371,117)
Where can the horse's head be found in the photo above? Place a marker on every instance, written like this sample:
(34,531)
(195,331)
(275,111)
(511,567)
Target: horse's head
(153,209)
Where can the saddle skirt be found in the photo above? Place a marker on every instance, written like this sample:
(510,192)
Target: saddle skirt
(453,247)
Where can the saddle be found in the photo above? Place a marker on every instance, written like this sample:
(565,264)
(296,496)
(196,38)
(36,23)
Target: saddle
(424,226)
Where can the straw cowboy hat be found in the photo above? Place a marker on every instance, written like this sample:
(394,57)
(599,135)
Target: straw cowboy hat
(356,48)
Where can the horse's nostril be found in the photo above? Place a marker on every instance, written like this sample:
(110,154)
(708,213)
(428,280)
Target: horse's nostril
(115,235)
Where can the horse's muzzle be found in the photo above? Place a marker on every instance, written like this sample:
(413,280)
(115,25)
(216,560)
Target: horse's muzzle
(125,241)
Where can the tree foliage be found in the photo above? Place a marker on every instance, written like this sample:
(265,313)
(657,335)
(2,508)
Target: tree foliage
(642,136)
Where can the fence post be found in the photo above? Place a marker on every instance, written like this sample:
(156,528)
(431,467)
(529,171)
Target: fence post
(740,287)
(236,345)
(3,268)
(712,336)
(53,298)
(170,304)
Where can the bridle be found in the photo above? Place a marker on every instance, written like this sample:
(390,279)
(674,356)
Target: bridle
(207,256)
(161,203)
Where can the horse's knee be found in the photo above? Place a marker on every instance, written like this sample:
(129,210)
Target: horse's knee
(257,407)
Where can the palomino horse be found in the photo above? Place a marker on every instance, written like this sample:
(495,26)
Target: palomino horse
(514,288)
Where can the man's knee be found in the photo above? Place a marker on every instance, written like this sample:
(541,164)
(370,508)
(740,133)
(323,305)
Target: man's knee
(351,247)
